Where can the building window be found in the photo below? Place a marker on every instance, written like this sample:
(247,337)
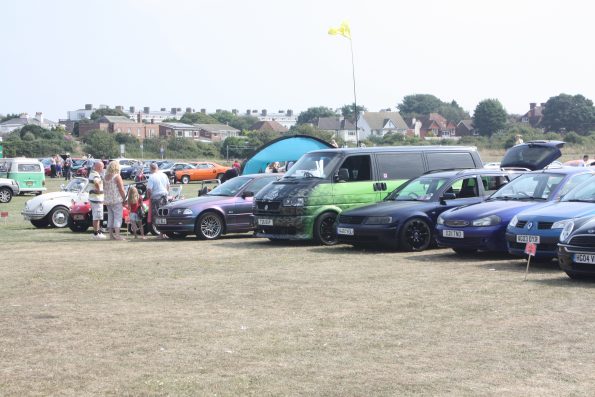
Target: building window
(129,130)
(119,130)
(138,132)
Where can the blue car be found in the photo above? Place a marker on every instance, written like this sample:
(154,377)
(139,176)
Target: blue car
(406,218)
(542,225)
(576,250)
(483,226)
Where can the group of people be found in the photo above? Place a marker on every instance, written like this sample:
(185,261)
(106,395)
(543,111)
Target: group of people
(61,167)
(108,189)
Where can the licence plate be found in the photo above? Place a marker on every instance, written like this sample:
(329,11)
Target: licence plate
(160,221)
(584,258)
(346,231)
(453,233)
(265,222)
(29,183)
(524,238)
(78,217)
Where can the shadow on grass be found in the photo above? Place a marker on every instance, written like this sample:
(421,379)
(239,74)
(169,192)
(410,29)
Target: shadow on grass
(566,282)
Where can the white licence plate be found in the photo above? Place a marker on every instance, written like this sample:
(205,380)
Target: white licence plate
(346,231)
(78,217)
(524,238)
(160,221)
(453,233)
(584,258)
(265,222)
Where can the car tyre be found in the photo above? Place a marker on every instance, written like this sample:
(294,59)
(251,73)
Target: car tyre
(59,216)
(176,235)
(209,226)
(78,227)
(325,231)
(416,235)
(185,179)
(5,195)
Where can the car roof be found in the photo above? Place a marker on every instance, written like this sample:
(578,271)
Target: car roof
(471,171)
(563,170)
(381,149)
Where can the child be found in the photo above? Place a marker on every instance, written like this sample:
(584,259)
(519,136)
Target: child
(134,202)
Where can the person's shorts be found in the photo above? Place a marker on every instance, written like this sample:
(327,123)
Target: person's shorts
(97,211)
(134,217)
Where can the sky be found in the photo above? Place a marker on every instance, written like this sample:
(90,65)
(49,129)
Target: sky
(59,55)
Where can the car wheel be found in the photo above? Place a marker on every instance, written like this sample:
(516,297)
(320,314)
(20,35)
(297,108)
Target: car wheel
(40,223)
(5,195)
(464,251)
(325,231)
(176,235)
(78,227)
(185,179)
(416,235)
(59,217)
(209,226)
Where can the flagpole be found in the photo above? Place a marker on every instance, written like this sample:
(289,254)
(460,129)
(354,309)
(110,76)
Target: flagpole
(354,94)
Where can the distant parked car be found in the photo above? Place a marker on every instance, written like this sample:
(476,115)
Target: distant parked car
(203,171)
(494,165)
(225,209)
(8,188)
(576,250)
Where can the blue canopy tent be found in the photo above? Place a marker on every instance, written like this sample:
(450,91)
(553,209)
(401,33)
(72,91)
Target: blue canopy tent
(286,148)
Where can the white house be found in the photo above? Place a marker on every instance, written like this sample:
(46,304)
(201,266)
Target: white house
(23,120)
(380,123)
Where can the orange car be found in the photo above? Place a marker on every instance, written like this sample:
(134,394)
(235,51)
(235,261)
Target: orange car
(202,171)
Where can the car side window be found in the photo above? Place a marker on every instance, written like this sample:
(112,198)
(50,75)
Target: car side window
(464,188)
(491,183)
(445,161)
(399,165)
(29,168)
(574,181)
(358,168)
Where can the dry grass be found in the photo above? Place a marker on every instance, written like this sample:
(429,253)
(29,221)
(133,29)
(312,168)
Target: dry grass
(242,316)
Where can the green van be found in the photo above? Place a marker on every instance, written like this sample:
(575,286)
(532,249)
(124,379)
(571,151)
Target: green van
(304,204)
(28,173)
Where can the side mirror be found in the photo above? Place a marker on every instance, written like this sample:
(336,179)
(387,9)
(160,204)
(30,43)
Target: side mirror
(247,194)
(447,196)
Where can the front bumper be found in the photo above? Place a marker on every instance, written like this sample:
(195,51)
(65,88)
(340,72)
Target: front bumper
(284,227)
(567,263)
(485,238)
(176,224)
(369,234)
(547,247)
(33,216)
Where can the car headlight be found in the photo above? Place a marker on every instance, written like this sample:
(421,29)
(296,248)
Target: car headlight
(378,220)
(39,209)
(567,230)
(293,202)
(487,221)
(513,221)
(561,224)
(187,211)
(440,220)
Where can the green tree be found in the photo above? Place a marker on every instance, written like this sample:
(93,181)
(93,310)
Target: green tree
(347,110)
(101,144)
(240,122)
(418,105)
(197,118)
(452,112)
(99,113)
(311,114)
(306,129)
(9,117)
(572,113)
(489,117)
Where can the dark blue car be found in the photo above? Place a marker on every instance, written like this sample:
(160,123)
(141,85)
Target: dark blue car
(543,225)
(406,218)
(576,250)
(483,226)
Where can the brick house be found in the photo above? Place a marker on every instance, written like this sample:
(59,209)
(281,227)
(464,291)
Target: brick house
(534,115)
(179,130)
(216,132)
(465,128)
(120,124)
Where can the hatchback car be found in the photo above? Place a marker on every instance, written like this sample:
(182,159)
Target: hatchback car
(542,225)
(483,226)
(576,250)
(406,218)
(225,209)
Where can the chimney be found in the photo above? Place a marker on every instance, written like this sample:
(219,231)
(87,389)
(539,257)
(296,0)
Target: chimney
(173,111)
(146,109)
(138,118)
(120,108)
(24,115)
(289,112)
(532,109)
(254,111)
(542,105)
(163,109)
(247,112)
(152,121)
(178,109)
(89,106)
(188,110)
(132,109)
(281,111)
(264,112)
(39,116)
(203,111)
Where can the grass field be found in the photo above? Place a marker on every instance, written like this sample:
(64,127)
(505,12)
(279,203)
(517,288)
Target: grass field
(242,316)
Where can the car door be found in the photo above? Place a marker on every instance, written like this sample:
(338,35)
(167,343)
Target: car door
(466,191)
(204,171)
(354,184)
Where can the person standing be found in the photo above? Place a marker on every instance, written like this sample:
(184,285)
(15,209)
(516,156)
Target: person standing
(67,167)
(115,197)
(52,167)
(586,160)
(96,199)
(157,190)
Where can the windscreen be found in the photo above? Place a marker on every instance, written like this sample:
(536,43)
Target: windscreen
(230,188)
(314,165)
(584,192)
(529,187)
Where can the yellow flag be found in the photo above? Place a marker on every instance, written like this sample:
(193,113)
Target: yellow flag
(343,30)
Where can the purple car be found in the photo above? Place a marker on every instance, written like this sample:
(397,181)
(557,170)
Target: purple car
(225,209)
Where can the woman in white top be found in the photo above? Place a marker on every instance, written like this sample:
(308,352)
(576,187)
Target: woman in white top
(114,196)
